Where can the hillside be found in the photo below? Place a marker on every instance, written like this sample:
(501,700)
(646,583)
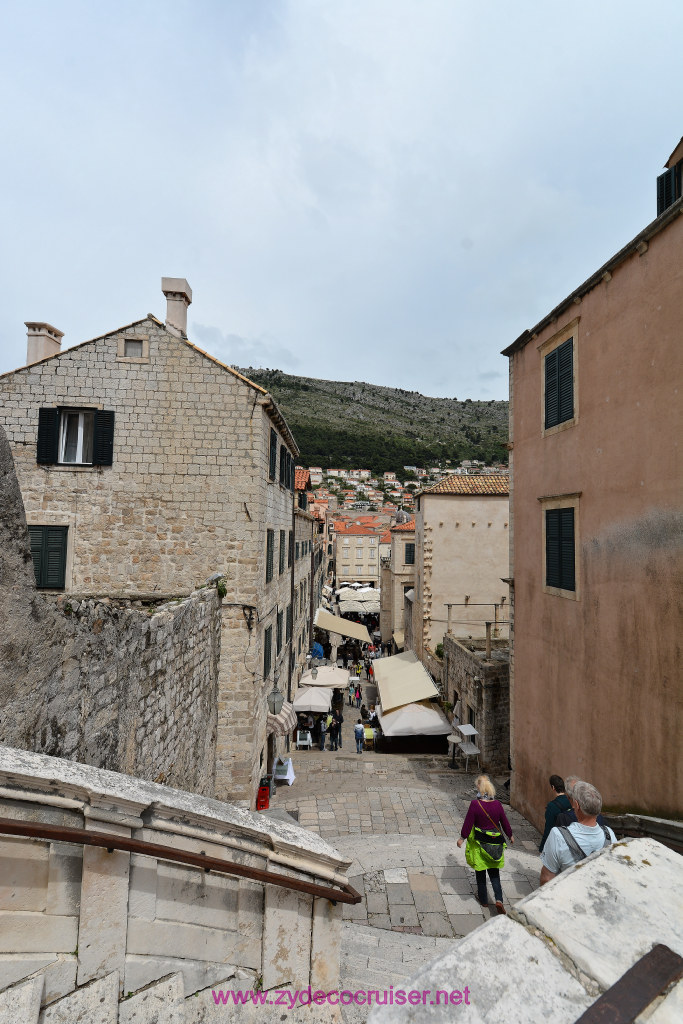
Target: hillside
(339,424)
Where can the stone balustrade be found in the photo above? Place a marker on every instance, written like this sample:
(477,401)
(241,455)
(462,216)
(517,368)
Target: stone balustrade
(74,914)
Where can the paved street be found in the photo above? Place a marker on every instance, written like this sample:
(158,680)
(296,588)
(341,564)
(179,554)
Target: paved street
(397,817)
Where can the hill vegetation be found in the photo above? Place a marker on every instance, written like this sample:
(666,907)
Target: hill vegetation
(344,425)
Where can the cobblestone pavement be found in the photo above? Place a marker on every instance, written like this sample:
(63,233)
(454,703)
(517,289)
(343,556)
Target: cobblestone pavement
(397,817)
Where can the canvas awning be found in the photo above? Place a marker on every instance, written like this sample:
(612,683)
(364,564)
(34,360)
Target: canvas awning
(327,675)
(317,699)
(402,679)
(414,720)
(282,723)
(399,639)
(335,624)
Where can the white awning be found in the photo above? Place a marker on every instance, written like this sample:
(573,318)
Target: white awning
(399,639)
(402,679)
(409,595)
(328,675)
(414,720)
(317,699)
(283,723)
(335,624)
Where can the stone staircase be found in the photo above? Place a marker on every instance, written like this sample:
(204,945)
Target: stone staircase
(163,1002)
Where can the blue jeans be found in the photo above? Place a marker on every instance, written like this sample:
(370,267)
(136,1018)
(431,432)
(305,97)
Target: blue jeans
(322,739)
(494,875)
(359,744)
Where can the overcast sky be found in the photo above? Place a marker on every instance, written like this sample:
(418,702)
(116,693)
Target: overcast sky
(379,190)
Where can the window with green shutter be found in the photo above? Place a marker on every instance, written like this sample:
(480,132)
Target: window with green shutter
(48,549)
(270,552)
(279,631)
(559,384)
(559,548)
(410,554)
(80,437)
(288,627)
(282,552)
(267,651)
(272,464)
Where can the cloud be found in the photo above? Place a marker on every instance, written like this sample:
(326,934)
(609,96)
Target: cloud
(235,350)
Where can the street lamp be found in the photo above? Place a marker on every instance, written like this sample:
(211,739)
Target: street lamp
(275,698)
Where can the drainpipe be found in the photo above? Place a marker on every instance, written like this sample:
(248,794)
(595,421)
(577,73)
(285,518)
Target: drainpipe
(290,553)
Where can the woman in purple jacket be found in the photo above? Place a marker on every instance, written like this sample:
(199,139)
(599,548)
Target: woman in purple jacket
(486,815)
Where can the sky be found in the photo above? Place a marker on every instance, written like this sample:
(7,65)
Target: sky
(387,191)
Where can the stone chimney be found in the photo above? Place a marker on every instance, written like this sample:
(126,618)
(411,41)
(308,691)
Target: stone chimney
(42,340)
(178,297)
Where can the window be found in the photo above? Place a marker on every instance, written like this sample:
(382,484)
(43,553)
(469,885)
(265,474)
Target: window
(278,632)
(283,464)
(78,437)
(267,651)
(296,551)
(359,552)
(272,462)
(559,384)
(48,548)
(288,626)
(559,549)
(409,558)
(669,187)
(471,717)
(132,348)
(290,550)
(270,545)
(283,550)
(373,540)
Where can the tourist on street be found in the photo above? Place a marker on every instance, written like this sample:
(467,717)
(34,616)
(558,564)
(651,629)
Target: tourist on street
(359,695)
(359,733)
(567,845)
(567,817)
(333,730)
(482,828)
(323,731)
(352,693)
(558,804)
(339,719)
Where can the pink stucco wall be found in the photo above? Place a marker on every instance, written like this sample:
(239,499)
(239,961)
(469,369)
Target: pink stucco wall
(597,686)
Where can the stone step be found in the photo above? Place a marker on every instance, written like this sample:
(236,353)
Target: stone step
(95,1003)
(162,1002)
(20,1004)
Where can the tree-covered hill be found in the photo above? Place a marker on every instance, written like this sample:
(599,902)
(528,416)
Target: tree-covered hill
(339,425)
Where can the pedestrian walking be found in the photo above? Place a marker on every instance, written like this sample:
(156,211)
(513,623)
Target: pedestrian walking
(339,718)
(558,804)
(359,733)
(359,695)
(568,844)
(333,730)
(323,731)
(352,692)
(483,829)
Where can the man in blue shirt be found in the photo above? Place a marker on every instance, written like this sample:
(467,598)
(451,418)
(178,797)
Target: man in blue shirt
(587,835)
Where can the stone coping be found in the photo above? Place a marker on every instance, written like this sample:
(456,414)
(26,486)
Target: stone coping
(110,796)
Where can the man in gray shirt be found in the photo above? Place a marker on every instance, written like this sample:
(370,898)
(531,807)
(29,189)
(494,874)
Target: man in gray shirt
(585,835)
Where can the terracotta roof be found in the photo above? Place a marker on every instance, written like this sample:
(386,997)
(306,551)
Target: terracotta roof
(301,478)
(386,537)
(404,527)
(483,483)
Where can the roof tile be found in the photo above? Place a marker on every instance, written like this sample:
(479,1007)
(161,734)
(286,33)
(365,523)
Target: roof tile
(482,483)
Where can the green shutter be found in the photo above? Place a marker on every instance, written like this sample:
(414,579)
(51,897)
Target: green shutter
(565,381)
(272,465)
(270,544)
(559,549)
(48,550)
(47,453)
(552,547)
(103,440)
(551,389)
(568,581)
(267,651)
(282,551)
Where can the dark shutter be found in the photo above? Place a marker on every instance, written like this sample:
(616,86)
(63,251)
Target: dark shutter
(270,544)
(282,551)
(552,547)
(48,549)
(103,439)
(267,651)
(283,456)
(565,380)
(290,550)
(278,641)
(410,554)
(559,549)
(48,436)
(551,389)
(668,188)
(272,465)
(292,473)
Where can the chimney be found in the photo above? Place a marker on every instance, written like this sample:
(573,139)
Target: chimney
(43,340)
(178,297)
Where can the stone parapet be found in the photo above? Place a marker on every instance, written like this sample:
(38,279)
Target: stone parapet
(76,914)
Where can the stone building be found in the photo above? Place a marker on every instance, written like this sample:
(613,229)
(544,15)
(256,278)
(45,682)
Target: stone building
(398,576)
(595,468)
(461,559)
(145,466)
(356,549)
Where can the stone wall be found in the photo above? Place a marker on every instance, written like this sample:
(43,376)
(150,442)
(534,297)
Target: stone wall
(126,685)
(72,913)
(484,687)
